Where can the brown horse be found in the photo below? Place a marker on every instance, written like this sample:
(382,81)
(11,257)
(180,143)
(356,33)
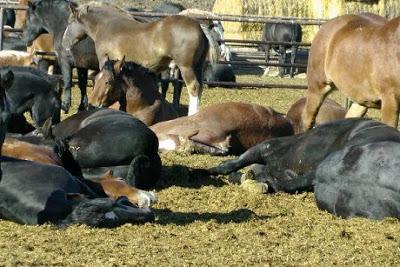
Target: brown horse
(153,45)
(356,54)
(329,111)
(226,128)
(136,90)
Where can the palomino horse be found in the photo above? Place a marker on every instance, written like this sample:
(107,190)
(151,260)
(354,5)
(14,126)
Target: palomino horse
(356,55)
(226,128)
(136,90)
(152,45)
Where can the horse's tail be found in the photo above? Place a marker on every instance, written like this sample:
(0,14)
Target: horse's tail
(213,47)
(106,213)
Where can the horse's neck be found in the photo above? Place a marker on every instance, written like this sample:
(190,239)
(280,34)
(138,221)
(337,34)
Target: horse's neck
(96,20)
(56,24)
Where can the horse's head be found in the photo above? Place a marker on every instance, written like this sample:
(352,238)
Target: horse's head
(107,89)
(34,25)
(75,30)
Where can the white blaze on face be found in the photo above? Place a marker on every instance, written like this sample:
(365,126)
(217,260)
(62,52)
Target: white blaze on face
(194,104)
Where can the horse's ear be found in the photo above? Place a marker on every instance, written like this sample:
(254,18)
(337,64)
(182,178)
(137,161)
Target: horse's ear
(74,9)
(119,65)
(7,80)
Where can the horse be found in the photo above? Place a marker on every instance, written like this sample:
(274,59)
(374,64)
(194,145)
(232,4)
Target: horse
(281,32)
(177,38)
(221,129)
(35,193)
(136,90)
(351,164)
(51,16)
(34,91)
(103,139)
(342,56)
(329,111)
(219,73)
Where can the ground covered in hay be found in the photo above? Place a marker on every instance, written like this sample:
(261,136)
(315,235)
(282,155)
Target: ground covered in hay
(206,221)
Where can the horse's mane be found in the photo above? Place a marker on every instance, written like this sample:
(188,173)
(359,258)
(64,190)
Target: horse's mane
(83,8)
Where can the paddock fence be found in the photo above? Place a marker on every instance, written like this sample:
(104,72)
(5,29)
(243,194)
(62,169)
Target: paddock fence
(243,57)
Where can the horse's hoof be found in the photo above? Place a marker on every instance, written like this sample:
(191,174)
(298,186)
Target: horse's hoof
(255,187)
(146,199)
(65,107)
(83,107)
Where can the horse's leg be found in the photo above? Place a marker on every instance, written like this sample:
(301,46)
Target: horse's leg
(43,65)
(292,59)
(282,60)
(177,88)
(316,94)
(164,83)
(252,155)
(194,89)
(66,70)
(267,53)
(82,82)
(390,110)
(356,111)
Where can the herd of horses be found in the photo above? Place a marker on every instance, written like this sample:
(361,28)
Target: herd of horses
(95,166)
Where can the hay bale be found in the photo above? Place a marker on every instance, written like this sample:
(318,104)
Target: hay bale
(317,9)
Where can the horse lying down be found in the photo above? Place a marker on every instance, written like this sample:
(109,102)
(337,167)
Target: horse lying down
(105,139)
(36,193)
(226,128)
(107,184)
(329,111)
(352,166)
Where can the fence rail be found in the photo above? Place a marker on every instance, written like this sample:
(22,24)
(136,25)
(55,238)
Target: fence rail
(234,42)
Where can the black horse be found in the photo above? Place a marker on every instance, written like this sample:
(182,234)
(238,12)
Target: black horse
(281,32)
(348,163)
(33,91)
(34,193)
(9,17)
(105,139)
(51,16)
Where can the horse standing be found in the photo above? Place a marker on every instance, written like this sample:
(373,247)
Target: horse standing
(134,88)
(177,38)
(51,16)
(281,32)
(355,54)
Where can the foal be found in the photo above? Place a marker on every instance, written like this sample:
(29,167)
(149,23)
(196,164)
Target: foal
(136,90)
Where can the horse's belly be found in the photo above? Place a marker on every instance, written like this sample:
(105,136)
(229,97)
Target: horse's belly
(357,88)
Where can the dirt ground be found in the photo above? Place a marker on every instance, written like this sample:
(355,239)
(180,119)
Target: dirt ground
(207,221)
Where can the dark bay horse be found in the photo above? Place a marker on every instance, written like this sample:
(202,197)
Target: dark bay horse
(136,90)
(226,128)
(51,16)
(355,54)
(34,91)
(35,193)
(156,44)
(352,165)
(281,32)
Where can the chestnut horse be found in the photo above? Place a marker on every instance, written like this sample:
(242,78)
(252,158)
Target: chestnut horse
(136,90)
(226,128)
(153,45)
(356,54)
(329,111)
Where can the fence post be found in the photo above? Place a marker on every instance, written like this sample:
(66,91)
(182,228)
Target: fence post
(2,11)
